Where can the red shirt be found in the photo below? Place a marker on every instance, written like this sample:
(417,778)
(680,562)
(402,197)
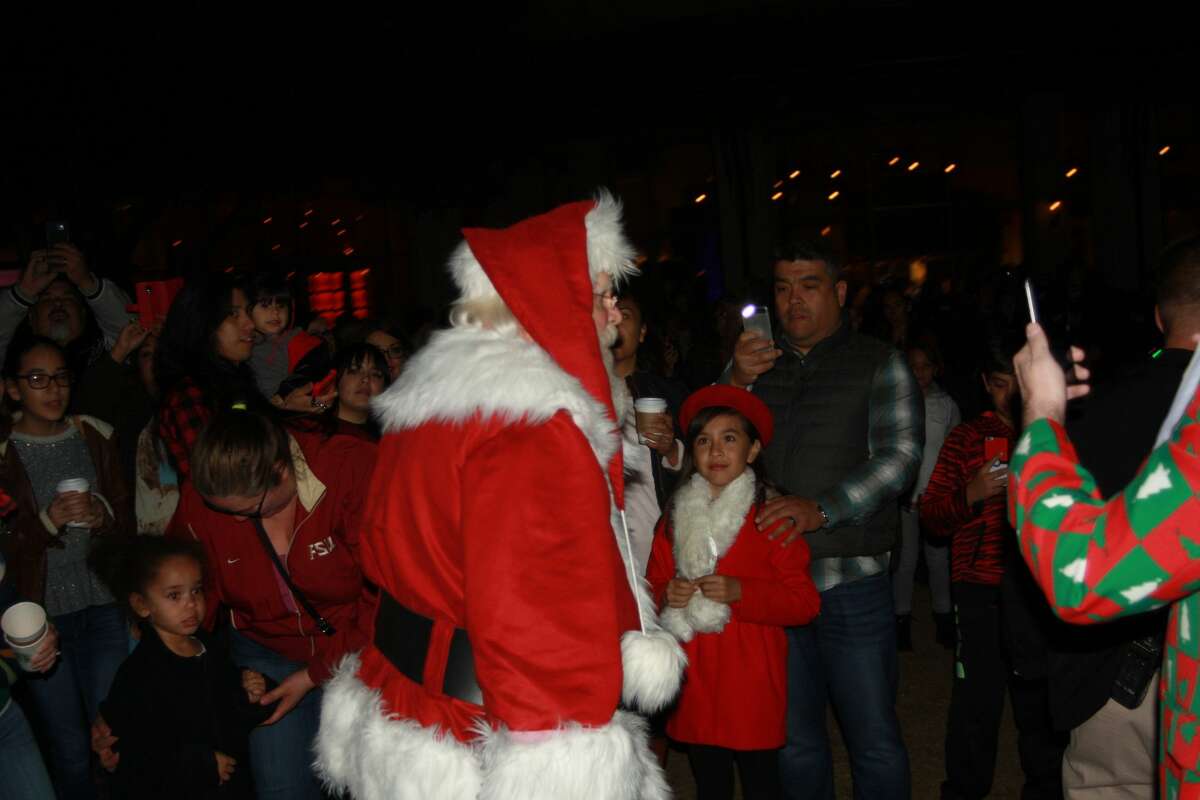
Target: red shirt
(323,560)
(980,534)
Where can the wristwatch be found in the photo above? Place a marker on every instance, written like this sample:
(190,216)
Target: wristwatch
(824,516)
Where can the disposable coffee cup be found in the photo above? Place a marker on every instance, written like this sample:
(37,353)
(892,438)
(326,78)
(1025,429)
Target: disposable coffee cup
(74,485)
(24,626)
(25,653)
(646,411)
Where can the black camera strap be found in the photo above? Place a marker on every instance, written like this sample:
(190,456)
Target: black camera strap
(322,624)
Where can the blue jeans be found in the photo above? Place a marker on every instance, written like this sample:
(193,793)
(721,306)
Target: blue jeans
(23,776)
(93,642)
(847,656)
(281,755)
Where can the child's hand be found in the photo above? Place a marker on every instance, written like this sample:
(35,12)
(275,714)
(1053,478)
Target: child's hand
(254,684)
(225,766)
(720,588)
(679,591)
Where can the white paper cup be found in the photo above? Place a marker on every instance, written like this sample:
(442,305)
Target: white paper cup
(26,652)
(73,485)
(24,623)
(646,410)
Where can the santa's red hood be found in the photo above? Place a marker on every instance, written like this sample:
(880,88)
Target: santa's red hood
(541,268)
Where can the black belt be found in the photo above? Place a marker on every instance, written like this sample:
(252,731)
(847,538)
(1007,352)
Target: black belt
(403,637)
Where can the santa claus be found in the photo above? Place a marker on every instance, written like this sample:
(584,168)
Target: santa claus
(511,634)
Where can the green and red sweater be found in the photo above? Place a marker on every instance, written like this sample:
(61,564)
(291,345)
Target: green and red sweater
(1099,559)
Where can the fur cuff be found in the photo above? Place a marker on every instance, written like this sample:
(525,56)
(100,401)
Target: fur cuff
(706,616)
(675,620)
(652,667)
(574,763)
(376,756)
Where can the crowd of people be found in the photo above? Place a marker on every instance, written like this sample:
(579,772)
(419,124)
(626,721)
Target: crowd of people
(577,529)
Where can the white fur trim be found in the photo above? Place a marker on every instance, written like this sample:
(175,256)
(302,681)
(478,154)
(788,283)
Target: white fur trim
(607,251)
(462,372)
(704,528)
(613,762)
(377,756)
(652,664)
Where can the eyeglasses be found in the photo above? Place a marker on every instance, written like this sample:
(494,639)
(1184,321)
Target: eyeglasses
(255,514)
(40,380)
(395,351)
(607,299)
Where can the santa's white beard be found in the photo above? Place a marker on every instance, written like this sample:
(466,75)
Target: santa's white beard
(622,401)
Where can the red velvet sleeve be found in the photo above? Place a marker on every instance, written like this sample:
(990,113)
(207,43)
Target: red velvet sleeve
(788,598)
(661,567)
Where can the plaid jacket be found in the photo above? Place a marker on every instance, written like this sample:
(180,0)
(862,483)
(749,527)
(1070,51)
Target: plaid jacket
(1098,560)
(181,417)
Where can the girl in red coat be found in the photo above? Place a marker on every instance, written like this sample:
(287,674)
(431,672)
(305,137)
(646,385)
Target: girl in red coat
(728,592)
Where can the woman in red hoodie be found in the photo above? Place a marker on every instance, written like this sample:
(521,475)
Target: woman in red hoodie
(278,514)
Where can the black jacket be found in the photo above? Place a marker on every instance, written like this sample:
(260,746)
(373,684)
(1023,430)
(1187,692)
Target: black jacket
(1113,436)
(648,384)
(171,714)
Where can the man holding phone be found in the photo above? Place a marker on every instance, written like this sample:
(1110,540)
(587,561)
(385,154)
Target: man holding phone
(850,430)
(55,292)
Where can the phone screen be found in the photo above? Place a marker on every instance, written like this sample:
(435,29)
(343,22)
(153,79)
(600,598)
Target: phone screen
(757,319)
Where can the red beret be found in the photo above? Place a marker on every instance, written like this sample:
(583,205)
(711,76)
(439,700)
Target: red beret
(722,396)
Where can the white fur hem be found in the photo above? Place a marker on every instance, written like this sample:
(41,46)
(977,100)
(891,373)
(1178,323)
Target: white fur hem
(376,756)
(613,762)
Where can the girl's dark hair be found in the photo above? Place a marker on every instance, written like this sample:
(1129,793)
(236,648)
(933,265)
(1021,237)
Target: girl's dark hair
(21,347)
(187,347)
(130,566)
(239,454)
(928,345)
(347,357)
(763,482)
(996,353)
(267,285)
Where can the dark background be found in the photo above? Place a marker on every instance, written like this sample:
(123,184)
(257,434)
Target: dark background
(198,136)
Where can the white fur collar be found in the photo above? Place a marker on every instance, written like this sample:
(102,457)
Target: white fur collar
(467,371)
(704,529)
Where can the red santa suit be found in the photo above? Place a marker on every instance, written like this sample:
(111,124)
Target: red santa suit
(494,532)
(735,695)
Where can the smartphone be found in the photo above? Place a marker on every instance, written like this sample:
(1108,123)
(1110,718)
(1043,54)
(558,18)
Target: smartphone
(995,448)
(154,300)
(757,319)
(1031,301)
(57,232)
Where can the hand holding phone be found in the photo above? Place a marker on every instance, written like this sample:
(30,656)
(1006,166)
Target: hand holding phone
(1061,355)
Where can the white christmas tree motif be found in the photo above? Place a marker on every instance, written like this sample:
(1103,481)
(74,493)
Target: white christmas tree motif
(1157,481)
(1140,592)
(1023,445)
(1076,570)
(1185,625)
(1059,501)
